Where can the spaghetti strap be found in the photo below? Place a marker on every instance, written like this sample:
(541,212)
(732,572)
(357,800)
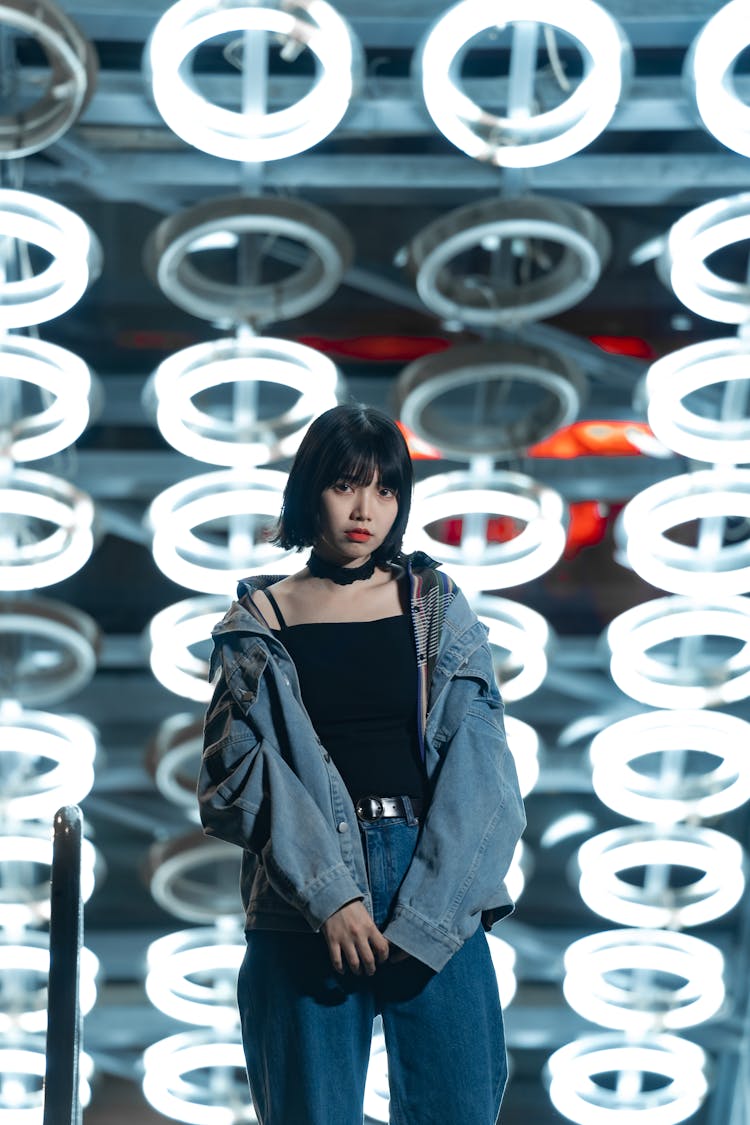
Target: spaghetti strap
(275,607)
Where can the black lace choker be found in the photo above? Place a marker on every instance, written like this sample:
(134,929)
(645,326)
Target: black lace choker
(341,575)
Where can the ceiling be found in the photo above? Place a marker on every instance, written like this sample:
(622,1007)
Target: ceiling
(385,173)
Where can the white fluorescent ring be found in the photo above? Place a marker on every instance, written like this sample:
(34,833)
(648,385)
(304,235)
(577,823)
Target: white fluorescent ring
(23,960)
(325,251)
(208,954)
(60,645)
(620,979)
(661,795)
(21,1101)
(237,441)
(582,246)
(515,877)
(215,1093)
(673,378)
(25,896)
(529,141)
(252,136)
(57,372)
(677,567)
(377,1087)
(681,1065)
(229,498)
(73,247)
(27,495)
(519,638)
(172,633)
(65,745)
(523,743)
(531,553)
(504,963)
(178,877)
(716,891)
(692,240)
(708,72)
(662,683)
(73,68)
(174,760)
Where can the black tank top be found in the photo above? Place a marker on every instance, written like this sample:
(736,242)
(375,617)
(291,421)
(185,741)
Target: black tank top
(359,686)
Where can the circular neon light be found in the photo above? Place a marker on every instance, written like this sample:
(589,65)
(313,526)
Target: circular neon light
(178,877)
(174,760)
(22,1067)
(215,1093)
(72,245)
(710,682)
(679,1064)
(58,374)
(239,439)
(244,505)
(172,253)
(24,972)
(674,377)
(520,639)
(252,136)
(708,69)
(65,745)
(27,496)
(692,240)
(59,652)
(710,895)
(527,141)
(193,975)
(644,980)
(173,633)
(523,743)
(581,247)
(25,863)
(533,552)
(632,762)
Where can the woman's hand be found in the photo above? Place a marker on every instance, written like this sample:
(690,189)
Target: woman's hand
(352,936)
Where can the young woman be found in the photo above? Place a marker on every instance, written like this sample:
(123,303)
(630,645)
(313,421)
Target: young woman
(354,748)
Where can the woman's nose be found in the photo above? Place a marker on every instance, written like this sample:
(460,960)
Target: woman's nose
(362,502)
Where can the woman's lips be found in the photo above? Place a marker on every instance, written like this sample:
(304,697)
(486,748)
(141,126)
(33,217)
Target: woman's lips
(358,536)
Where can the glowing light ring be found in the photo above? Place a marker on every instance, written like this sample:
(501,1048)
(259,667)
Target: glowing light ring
(582,237)
(232,499)
(174,759)
(193,975)
(531,553)
(708,71)
(24,902)
(602,982)
(515,877)
(60,645)
(503,962)
(73,70)
(377,1087)
(692,240)
(177,883)
(237,440)
(659,683)
(477,367)
(173,632)
(25,1010)
(520,639)
(602,858)
(28,495)
(661,795)
(210,1095)
(67,239)
(682,1066)
(55,372)
(327,242)
(252,136)
(25,1059)
(523,742)
(524,141)
(669,382)
(677,567)
(67,745)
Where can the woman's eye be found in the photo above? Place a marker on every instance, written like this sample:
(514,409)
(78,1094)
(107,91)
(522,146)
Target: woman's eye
(342,485)
(387,492)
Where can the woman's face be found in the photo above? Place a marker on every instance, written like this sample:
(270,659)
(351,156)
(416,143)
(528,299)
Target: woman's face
(355,519)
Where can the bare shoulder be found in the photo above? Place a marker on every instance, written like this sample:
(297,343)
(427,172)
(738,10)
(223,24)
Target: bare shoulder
(282,593)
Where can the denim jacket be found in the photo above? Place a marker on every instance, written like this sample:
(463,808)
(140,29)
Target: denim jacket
(268,784)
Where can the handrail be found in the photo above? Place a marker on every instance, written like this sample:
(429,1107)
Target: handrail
(62,1105)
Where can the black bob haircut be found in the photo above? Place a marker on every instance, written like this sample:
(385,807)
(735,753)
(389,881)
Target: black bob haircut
(351,443)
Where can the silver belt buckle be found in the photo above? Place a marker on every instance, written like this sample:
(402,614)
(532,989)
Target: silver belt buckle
(369,808)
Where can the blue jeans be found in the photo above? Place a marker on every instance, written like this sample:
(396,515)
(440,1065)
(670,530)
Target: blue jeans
(307,1030)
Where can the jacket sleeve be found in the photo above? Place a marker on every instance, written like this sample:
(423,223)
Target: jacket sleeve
(249,795)
(474,821)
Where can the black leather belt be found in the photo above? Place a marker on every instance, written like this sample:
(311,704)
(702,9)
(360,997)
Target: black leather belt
(377,808)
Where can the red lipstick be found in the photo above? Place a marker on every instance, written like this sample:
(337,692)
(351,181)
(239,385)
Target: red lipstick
(358,536)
